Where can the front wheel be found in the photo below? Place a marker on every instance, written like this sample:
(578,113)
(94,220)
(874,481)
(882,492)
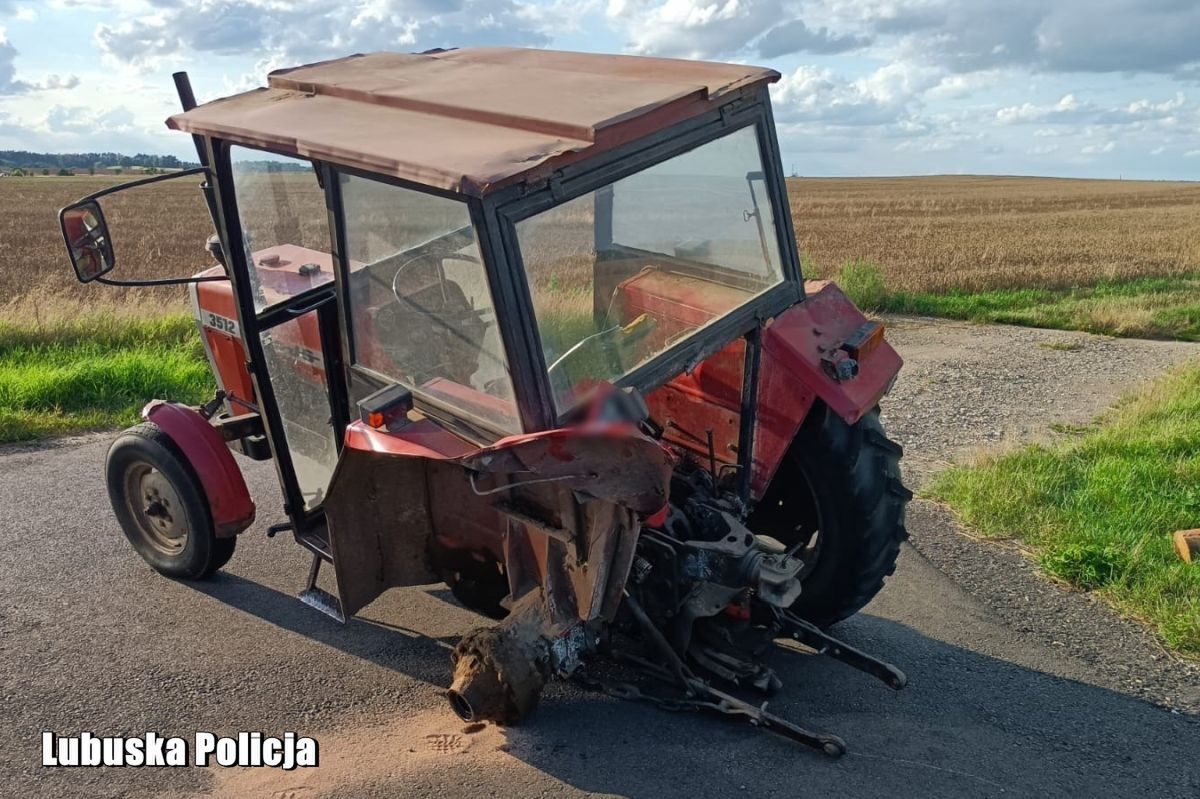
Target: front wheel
(837,498)
(161,505)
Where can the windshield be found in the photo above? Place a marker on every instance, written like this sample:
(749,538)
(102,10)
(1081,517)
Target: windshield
(619,275)
(421,313)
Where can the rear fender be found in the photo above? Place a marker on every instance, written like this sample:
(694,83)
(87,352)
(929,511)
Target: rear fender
(228,498)
(793,375)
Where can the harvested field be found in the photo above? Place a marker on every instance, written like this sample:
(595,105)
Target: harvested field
(158,231)
(925,234)
(977,233)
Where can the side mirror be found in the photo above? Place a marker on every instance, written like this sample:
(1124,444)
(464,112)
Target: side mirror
(88,242)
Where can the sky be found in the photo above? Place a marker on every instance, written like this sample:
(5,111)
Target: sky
(1080,88)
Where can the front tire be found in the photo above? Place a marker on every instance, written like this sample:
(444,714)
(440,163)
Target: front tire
(838,494)
(161,506)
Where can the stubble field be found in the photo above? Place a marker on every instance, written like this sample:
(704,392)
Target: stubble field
(1119,257)
(925,235)
(979,233)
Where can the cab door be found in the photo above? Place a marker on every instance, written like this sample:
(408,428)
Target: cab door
(284,279)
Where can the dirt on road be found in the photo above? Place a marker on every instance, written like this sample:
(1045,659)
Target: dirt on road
(1011,692)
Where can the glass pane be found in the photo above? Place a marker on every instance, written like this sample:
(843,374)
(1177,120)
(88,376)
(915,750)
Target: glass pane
(297,370)
(420,307)
(285,225)
(621,274)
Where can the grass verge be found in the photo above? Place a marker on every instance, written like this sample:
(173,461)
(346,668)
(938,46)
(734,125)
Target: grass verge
(1150,307)
(1098,507)
(94,370)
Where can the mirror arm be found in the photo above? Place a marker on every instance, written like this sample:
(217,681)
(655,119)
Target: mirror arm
(169,281)
(96,195)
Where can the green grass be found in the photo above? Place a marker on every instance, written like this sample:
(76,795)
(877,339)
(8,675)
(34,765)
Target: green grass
(95,372)
(1151,307)
(863,282)
(1098,506)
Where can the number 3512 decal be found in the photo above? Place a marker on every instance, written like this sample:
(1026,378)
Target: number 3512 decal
(221,323)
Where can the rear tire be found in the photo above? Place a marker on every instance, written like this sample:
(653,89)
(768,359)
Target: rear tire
(161,505)
(839,487)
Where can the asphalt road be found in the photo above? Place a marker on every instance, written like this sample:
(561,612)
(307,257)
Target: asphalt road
(92,639)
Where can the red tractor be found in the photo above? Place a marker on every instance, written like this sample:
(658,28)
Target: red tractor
(530,323)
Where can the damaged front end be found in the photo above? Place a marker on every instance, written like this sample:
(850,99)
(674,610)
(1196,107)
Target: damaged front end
(609,548)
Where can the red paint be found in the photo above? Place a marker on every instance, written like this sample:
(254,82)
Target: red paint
(420,439)
(228,499)
(301,340)
(790,380)
(794,343)
(228,353)
(581,457)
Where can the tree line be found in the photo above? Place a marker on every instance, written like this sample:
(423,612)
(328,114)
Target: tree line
(23,159)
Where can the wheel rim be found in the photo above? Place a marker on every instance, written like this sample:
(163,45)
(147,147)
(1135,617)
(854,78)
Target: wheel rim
(154,504)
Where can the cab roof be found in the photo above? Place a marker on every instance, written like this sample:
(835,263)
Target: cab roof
(471,120)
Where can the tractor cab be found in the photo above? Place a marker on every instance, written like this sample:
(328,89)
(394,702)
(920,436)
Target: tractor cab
(528,322)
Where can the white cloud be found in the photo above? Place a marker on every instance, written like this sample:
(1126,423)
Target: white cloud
(796,37)
(1070,110)
(11,85)
(1065,109)
(884,97)
(8,73)
(960,85)
(1098,149)
(73,119)
(311,30)
(725,28)
(693,28)
(1062,36)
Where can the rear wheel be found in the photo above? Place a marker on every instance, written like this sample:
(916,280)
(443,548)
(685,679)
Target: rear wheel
(838,499)
(161,505)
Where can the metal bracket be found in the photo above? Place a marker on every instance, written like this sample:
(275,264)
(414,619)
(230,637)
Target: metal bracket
(731,109)
(556,187)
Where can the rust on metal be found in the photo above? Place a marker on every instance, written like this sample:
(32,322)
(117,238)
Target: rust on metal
(370,555)
(471,120)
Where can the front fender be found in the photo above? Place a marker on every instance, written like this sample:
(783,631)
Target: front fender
(228,498)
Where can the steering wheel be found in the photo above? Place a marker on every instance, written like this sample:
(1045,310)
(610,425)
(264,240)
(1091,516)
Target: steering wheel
(439,259)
